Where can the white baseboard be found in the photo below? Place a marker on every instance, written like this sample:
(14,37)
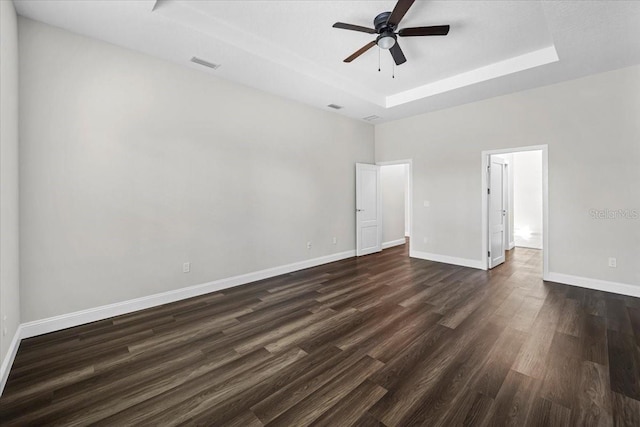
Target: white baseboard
(529,245)
(393,243)
(534,241)
(597,284)
(7,362)
(51,324)
(464,262)
(511,245)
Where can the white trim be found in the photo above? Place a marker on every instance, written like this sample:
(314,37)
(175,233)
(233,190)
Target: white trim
(597,284)
(464,262)
(56,323)
(505,67)
(545,202)
(528,246)
(7,362)
(409,163)
(392,243)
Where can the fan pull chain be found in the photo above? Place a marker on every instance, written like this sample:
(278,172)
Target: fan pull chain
(378,59)
(393,69)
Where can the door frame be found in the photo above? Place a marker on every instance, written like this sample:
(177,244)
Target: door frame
(409,163)
(545,202)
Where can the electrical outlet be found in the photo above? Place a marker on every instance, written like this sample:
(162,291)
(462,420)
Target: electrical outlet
(308,245)
(186,267)
(612,263)
(424,240)
(335,240)
(426,203)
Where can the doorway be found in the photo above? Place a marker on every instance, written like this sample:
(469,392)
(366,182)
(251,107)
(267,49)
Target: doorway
(514,202)
(396,184)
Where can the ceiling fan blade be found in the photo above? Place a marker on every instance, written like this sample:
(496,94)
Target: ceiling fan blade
(360,51)
(352,27)
(436,30)
(399,11)
(398,55)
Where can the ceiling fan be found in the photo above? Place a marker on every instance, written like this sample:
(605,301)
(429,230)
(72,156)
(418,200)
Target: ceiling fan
(386,25)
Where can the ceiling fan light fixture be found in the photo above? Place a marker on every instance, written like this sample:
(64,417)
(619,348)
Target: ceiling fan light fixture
(386,40)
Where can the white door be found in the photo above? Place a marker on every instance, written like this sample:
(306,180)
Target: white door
(497,211)
(368,209)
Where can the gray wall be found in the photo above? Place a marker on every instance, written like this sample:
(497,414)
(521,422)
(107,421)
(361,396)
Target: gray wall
(592,129)
(9,265)
(131,166)
(393,179)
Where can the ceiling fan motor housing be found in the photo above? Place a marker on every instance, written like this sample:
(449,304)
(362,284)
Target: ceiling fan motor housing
(380,23)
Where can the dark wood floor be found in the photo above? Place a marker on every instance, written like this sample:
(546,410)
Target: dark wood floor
(380,340)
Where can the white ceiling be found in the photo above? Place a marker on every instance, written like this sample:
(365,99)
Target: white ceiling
(289,47)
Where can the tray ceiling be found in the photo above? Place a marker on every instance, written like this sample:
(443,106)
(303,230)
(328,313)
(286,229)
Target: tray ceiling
(290,49)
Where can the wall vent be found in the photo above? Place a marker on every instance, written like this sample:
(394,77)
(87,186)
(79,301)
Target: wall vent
(205,63)
(371,118)
(335,106)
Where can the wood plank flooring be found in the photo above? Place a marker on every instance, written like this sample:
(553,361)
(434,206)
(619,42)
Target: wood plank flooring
(379,340)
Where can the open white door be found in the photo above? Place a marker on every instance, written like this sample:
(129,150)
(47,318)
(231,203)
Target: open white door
(497,211)
(368,209)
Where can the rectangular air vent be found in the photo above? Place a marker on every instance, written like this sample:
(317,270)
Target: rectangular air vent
(205,63)
(371,118)
(335,106)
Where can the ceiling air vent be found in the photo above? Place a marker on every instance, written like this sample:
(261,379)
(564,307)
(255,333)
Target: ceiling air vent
(371,118)
(335,106)
(205,63)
